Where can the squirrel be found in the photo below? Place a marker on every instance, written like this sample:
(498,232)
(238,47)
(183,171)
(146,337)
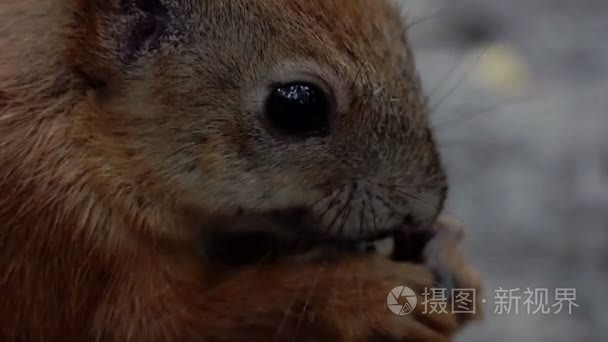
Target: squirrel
(128,127)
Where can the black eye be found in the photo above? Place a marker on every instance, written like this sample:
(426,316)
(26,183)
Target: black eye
(299,109)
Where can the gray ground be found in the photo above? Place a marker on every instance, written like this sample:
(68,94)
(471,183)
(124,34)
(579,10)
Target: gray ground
(529,174)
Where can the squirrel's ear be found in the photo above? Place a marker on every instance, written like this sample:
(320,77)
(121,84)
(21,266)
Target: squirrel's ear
(109,34)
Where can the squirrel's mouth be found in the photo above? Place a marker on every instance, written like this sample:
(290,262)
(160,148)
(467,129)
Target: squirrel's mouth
(253,238)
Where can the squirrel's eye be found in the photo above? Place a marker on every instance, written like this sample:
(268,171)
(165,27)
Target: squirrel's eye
(299,109)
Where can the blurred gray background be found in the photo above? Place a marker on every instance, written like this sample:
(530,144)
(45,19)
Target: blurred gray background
(519,98)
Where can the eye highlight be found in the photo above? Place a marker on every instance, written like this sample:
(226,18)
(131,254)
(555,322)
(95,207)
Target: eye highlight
(299,109)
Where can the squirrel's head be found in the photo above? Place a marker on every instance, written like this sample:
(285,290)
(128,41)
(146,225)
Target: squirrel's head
(310,106)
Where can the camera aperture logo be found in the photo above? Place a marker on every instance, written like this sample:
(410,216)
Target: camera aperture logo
(402,300)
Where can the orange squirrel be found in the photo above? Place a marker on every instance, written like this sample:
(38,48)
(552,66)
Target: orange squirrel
(128,126)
